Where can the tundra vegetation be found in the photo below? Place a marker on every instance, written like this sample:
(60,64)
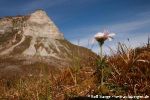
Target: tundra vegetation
(126,72)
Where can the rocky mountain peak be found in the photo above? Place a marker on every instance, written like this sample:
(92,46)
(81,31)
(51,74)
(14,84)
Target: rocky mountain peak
(40,17)
(40,25)
(33,37)
(35,34)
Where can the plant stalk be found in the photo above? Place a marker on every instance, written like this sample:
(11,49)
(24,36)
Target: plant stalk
(102,70)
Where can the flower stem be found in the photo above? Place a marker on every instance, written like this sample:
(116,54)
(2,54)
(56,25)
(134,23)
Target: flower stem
(102,78)
(101,52)
(102,70)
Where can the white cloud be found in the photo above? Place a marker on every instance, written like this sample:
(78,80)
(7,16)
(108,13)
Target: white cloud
(124,31)
(130,26)
(144,14)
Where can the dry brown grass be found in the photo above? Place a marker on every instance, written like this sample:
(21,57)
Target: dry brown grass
(128,73)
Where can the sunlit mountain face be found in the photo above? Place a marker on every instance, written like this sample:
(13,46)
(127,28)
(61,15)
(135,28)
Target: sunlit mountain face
(34,38)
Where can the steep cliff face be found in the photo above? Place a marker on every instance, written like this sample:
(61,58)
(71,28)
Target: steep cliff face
(35,38)
(40,25)
(37,31)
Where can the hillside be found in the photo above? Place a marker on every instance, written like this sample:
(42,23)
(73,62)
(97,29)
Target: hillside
(126,73)
(34,40)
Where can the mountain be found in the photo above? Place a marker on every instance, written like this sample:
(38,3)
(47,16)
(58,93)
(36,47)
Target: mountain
(34,39)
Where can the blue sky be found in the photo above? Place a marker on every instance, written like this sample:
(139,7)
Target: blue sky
(79,20)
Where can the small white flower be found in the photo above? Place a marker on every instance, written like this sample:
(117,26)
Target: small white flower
(101,37)
(104,36)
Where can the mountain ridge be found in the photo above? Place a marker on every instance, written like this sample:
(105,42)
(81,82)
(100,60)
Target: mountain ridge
(34,38)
